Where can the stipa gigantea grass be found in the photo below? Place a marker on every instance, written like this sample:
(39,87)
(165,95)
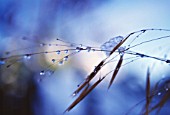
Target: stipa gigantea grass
(71,49)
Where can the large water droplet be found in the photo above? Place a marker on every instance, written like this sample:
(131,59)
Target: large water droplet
(159,93)
(66,51)
(74,94)
(58,51)
(65,58)
(61,62)
(27,56)
(53,60)
(88,49)
(42,73)
(42,44)
(78,49)
(2,62)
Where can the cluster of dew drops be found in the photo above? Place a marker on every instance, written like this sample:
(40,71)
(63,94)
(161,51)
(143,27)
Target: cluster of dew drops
(105,47)
(72,49)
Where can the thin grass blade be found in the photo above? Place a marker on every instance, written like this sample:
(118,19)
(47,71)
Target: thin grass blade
(84,93)
(116,70)
(147,93)
(81,96)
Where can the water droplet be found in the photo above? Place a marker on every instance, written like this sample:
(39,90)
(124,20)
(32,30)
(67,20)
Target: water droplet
(80,45)
(66,51)
(65,58)
(42,73)
(53,60)
(58,51)
(166,89)
(27,56)
(78,49)
(42,44)
(61,62)
(159,93)
(2,62)
(74,94)
(88,49)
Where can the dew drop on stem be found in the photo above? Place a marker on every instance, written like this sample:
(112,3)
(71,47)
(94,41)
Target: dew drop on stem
(42,44)
(27,56)
(2,62)
(78,49)
(60,62)
(66,51)
(159,93)
(58,51)
(42,73)
(53,60)
(88,49)
(74,94)
(65,58)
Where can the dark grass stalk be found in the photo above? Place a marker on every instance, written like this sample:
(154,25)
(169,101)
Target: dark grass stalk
(90,77)
(116,70)
(147,93)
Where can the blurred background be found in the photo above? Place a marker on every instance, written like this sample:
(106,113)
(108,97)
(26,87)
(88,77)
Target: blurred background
(25,24)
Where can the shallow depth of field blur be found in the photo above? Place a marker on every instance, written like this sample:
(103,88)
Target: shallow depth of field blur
(91,22)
